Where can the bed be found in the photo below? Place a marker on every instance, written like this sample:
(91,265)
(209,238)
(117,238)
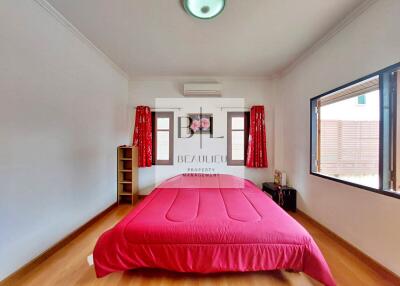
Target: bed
(209,223)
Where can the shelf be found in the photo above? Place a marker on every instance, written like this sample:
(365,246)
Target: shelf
(125,194)
(127,188)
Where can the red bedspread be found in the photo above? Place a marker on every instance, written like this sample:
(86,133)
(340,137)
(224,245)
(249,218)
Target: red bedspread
(209,224)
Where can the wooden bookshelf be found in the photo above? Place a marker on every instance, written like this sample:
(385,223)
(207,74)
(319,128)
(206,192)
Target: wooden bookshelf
(127,189)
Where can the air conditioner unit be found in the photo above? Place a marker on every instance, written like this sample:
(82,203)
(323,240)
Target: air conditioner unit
(202,89)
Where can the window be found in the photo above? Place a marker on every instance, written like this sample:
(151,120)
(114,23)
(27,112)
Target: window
(163,138)
(361,99)
(353,133)
(238,136)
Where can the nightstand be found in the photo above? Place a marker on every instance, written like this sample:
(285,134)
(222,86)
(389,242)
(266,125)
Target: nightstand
(284,196)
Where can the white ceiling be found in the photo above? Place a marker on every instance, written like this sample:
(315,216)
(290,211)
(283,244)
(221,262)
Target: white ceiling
(250,37)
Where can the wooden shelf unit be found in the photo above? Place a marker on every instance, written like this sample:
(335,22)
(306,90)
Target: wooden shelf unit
(127,185)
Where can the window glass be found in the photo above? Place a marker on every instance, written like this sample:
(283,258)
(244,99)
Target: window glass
(162,123)
(162,145)
(237,145)
(237,123)
(349,140)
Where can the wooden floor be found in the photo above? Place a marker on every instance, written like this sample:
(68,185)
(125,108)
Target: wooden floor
(68,266)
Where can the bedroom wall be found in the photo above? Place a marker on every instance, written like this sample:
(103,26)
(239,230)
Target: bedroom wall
(365,219)
(62,113)
(250,91)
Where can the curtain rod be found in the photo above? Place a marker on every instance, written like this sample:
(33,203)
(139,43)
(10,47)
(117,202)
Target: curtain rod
(180,108)
(158,108)
(234,107)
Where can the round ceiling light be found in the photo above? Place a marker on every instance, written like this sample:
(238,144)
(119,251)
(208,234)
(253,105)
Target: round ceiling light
(204,9)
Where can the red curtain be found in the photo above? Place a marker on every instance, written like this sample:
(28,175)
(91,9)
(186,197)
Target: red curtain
(142,136)
(257,146)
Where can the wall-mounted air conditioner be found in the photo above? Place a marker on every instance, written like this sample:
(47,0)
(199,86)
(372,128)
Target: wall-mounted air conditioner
(204,89)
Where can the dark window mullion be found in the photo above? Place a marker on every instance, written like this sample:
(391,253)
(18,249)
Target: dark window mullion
(395,164)
(313,135)
(385,134)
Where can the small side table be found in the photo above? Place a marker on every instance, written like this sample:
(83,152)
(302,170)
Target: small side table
(282,195)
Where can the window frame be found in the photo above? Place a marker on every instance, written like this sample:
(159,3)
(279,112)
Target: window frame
(387,132)
(170,116)
(246,117)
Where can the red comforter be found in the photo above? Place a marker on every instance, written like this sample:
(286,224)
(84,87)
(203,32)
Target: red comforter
(209,224)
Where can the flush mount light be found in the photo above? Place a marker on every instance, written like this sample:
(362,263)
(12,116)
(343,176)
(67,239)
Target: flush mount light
(204,9)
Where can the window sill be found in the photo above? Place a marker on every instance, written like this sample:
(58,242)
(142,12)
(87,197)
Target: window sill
(163,164)
(389,193)
(237,163)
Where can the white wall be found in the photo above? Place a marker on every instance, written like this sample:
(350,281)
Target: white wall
(62,115)
(367,220)
(253,91)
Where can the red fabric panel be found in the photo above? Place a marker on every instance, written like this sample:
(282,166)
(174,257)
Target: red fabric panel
(257,147)
(142,136)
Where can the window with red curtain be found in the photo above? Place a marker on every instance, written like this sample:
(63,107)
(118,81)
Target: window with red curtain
(257,145)
(142,136)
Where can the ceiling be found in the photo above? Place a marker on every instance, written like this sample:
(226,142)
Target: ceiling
(250,38)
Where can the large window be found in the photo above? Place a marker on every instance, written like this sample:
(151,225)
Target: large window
(353,133)
(163,138)
(238,136)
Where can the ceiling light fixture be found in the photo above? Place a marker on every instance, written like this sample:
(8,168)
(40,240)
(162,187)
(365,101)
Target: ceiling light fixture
(204,9)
